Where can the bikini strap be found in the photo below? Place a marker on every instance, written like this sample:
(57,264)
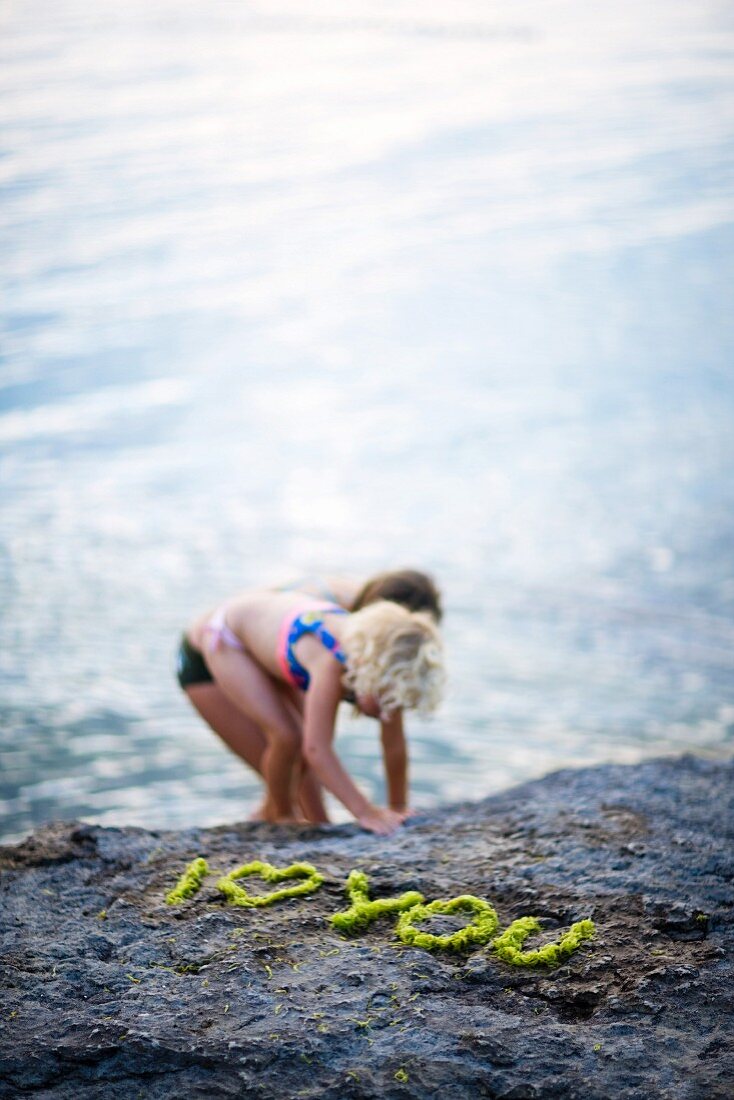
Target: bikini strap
(220,633)
(309,621)
(328,640)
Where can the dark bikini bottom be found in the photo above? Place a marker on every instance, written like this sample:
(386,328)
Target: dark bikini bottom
(191,666)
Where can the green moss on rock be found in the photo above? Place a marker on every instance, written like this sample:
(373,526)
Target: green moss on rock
(189,883)
(363,911)
(509,945)
(237,895)
(478,931)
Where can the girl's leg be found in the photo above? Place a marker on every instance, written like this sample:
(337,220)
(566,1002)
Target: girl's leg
(239,733)
(310,796)
(243,736)
(249,687)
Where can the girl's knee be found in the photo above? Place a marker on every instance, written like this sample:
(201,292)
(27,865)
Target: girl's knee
(286,736)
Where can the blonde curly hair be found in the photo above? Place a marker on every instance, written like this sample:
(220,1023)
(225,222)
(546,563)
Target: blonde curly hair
(394,655)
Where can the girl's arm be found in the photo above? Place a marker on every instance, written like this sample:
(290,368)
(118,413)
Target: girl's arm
(319,720)
(395,759)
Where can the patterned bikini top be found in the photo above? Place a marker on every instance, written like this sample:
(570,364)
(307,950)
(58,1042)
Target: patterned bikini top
(307,622)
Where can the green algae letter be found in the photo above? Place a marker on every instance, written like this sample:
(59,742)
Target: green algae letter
(189,883)
(478,931)
(509,945)
(363,911)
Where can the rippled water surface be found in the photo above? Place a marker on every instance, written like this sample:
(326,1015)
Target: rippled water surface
(293,287)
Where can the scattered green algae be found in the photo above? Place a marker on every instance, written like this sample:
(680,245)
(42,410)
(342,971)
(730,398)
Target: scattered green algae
(189,883)
(479,930)
(363,911)
(237,895)
(509,945)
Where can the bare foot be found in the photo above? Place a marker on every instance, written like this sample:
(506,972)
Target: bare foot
(262,813)
(266,812)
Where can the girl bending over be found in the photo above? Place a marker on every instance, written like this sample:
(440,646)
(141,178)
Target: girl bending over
(267,671)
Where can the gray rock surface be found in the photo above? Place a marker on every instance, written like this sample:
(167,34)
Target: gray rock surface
(108,991)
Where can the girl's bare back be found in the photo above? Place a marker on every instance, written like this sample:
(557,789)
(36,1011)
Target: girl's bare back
(256,618)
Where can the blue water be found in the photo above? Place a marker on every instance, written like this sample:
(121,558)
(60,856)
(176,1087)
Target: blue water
(290,288)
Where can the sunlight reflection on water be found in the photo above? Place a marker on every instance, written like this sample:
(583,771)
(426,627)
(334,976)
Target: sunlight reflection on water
(288,292)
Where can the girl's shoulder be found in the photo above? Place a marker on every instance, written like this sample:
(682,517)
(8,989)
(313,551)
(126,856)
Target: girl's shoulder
(344,589)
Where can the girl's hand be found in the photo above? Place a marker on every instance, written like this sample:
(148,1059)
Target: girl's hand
(382,821)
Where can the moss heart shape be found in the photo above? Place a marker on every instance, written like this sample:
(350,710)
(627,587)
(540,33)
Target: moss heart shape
(237,895)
